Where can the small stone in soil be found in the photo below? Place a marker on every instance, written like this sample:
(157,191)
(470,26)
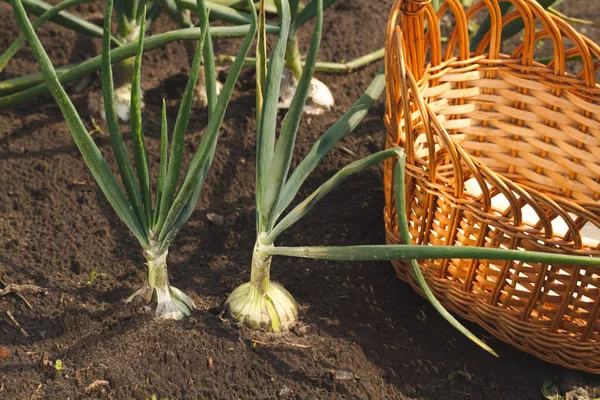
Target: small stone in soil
(216,219)
(147,309)
(342,375)
(285,391)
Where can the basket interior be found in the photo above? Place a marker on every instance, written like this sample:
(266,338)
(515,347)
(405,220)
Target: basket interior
(525,130)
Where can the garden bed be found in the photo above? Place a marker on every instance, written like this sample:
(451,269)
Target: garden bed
(364,334)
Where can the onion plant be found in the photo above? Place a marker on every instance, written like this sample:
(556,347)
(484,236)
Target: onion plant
(319,97)
(261,303)
(46,15)
(17,90)
(153,216)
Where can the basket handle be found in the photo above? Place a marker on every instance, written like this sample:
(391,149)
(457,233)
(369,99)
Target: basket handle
(414,15)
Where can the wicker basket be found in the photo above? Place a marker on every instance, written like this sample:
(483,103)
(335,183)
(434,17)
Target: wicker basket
(502,151)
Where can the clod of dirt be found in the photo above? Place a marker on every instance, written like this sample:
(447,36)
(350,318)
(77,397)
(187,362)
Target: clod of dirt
(301,329)
(76,323)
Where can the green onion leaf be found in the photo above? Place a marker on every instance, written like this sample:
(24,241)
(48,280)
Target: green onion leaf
(137,133)
(91,153)
(162,168)
(287,137)
(141,8)
(309,13)
(266,131)
(210,75)
(176,13)
(184,203)
(261,64)
(421,252)
(68,20)
(132,9)
(177,142)
(77,71)
(325,143)
(20,83)
(220,12)
(119,149)
(401,211)
(304,207)
(124,21)
(295,7)
(152,14)
(8,54)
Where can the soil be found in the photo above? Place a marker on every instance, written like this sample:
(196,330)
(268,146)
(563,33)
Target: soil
(364,334)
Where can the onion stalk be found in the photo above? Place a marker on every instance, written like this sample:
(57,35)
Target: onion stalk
(19,90)
(261,303)
(64,18)
(130,19)
(153,218)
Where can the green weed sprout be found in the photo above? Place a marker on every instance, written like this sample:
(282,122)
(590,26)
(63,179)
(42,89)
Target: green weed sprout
(262,304)
(154,227)
(45,15)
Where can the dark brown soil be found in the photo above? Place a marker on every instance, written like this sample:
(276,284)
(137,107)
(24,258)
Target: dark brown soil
(357,318)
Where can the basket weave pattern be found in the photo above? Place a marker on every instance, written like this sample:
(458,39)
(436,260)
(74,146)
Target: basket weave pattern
(502,151)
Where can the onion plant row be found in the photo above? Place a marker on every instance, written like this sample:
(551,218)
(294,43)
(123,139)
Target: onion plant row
(155,215)
(17,90)
(129,19)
